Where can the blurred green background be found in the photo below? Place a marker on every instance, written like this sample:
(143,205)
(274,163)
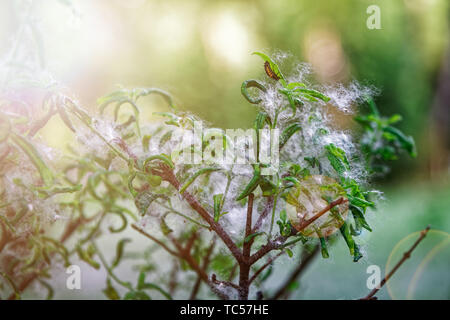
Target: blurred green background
(200,50)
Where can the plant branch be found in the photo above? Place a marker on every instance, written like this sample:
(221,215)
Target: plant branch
(306,259)
(406,256)
(263,267)
(244,267)
(166,173)
(206,261)
(194,265)
(264,214)
(159,242)
(225,283)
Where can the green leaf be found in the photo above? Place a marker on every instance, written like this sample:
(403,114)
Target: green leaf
(288,133)
(87,257)
(360,202)
(310,93)
(267,274)
(35,157)
(337,158)
(283,215)
(65,118)
(153,286)
(357,255)
(6,223)
(294,285)
(46,192)
(50,290)
(252,185)
(251,84)
(136,295)
(289,252)
(218,198)
(165,138)
(395,118)
(12,284)
(164,227)
(144,199)
(273,66)
(195,176)
(162,157)
(110,292)
(345,232)
(406,142)
(119,252)
(222,264)
(358,216)
(252,236)
(295,85)
(324,248)
(142,285)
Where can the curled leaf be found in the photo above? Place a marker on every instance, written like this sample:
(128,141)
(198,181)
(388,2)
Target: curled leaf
(252,84)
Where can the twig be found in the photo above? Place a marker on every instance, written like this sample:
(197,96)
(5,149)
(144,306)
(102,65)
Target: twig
(244,267)
(306,259)
(264,214)
(225,283)
(183,254)
(332,204)
(166,173)
(173,282)
(206,261)
(406,256)
(280,240)
(159,242)
(248,227)
(263,267)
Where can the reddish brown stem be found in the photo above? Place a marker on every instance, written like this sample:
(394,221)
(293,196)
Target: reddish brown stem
(244,267)
(167,174)
(263,267)
(195,266)
(159,242)
(280,240)
(264,214)
(206,261)
(332,204)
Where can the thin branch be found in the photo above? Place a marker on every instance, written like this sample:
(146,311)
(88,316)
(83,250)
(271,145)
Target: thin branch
(244,267)
(173,282)
(306,259)
(248,227)
(225,283)
(263,267)
(159,242)
(280,240)
(166,173)
(406,256)
(194,265)
(206,261)
(330,206)
(264,214)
